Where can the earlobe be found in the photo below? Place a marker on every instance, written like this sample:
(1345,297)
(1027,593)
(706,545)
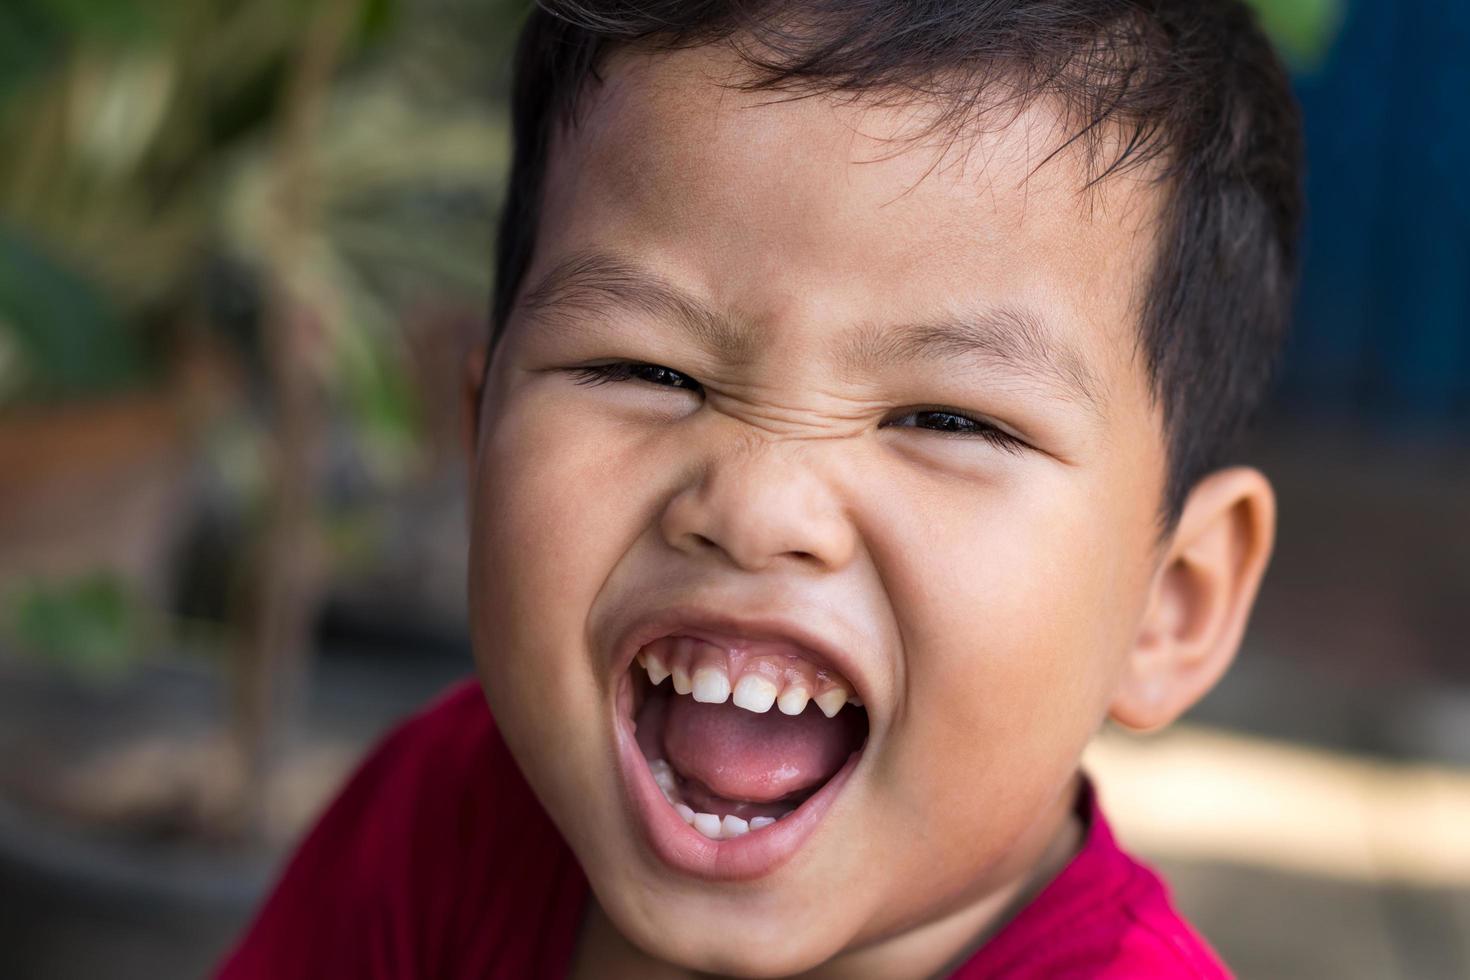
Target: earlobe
(1200,598)
(472,389)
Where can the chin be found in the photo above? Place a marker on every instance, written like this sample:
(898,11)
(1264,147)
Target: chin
(724,938)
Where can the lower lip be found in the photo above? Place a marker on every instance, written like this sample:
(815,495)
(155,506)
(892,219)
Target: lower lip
(681,847)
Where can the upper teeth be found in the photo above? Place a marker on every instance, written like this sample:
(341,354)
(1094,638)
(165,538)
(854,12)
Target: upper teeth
(755,693)
(711,685)
(704,670)
(793,700)
(656,670)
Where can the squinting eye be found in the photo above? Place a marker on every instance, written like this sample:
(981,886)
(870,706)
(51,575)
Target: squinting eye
(955,424)
(657,374)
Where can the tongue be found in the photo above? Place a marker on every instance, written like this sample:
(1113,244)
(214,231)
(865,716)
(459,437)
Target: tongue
(742,755)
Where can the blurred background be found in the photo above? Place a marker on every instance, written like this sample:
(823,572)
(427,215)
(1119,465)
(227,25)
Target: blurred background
(243,247)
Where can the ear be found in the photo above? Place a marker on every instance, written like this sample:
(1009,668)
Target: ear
(472,388)
(1200,599)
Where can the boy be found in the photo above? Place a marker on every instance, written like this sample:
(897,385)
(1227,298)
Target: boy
(848,450)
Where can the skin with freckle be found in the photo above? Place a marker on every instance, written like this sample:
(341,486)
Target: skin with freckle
(989,591)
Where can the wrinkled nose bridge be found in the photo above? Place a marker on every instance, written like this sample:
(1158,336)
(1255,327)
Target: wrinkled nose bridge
(760,503)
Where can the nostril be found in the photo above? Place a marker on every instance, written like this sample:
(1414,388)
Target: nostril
(707,543)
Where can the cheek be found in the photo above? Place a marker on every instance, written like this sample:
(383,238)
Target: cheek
(1012,625)
(555,508)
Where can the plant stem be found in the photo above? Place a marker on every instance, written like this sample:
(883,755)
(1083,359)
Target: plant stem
(289,573)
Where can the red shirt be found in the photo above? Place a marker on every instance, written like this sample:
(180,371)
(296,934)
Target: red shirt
(436,861)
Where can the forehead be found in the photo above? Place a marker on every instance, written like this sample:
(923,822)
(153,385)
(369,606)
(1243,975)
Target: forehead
(813,215)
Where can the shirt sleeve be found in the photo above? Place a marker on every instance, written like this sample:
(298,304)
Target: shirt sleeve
(330,913)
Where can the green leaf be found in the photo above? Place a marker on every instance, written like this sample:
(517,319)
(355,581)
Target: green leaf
(63,328)
(109,20)
(1303,29)
(92,625)
(378,19)
(30,40)
(380,396)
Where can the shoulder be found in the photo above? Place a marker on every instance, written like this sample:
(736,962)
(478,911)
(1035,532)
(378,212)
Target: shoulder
(458,720)
(454,733)
(1107,916)
(418,865)
(413,793)
(436,767)
(455,788)
(1141,934)
(442,795)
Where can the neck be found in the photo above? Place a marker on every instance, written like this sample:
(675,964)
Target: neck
(939,945)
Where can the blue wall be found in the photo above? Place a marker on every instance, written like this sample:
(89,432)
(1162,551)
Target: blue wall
(1384,325)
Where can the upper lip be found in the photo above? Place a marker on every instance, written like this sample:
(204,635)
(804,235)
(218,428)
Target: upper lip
(693,620)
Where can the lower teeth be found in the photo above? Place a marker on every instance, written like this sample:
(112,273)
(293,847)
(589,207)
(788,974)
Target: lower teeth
(663,776)
(709,824)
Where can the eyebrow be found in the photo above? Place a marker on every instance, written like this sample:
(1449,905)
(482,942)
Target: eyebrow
(1012,337)
(587,283)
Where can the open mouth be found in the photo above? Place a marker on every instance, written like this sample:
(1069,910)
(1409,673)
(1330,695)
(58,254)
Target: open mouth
(739,734)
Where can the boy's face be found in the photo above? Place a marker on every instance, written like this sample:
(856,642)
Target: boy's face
(828,301)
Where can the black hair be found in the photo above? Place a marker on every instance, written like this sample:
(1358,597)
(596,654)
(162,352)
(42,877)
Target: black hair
(1190,89)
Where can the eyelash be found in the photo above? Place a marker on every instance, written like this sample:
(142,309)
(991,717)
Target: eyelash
(617,371)
(601,374)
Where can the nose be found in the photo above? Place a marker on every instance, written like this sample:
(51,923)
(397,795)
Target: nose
(766,504)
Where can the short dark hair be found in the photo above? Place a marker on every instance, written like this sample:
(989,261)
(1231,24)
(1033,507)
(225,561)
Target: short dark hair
(1190,88)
